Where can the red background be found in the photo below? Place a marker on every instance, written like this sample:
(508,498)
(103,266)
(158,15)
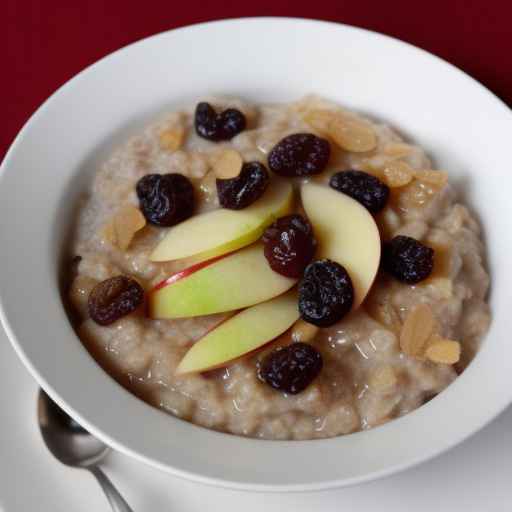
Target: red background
(44,43)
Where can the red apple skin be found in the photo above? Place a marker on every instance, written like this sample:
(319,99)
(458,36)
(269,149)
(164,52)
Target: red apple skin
(188,271)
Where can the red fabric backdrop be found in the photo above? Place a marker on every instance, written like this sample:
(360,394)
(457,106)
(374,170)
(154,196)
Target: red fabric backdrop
(45,42)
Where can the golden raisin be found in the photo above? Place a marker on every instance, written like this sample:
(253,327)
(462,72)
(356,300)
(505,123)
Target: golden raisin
(417,329)
(414,195)
(352,134)
(443,351)
(126,223)
(437,178)
(397,174)
(319,119)
(123,226)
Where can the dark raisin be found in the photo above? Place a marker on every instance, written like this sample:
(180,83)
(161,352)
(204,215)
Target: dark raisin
(292,368)
(301,154)
(364,188)
(289,245)
(205,120)
(232,122)
(249,185)
(407,260)
(326,293)
(165,199)
(114,298)
(216,127)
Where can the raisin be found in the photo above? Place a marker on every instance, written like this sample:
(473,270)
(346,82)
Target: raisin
(292,368)
(212,126)
(241,191)
(407,260)
(114,298)
(301,154)
(326,293)
(233,122)
(289,245)
(364,188)
(165,199)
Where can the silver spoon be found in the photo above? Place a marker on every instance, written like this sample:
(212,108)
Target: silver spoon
(74,446)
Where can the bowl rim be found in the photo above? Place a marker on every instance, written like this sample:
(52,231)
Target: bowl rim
(222,482)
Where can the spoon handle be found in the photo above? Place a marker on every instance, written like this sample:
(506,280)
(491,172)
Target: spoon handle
(115,499)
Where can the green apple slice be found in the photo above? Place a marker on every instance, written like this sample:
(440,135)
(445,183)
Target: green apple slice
(233,281)
(346,233)
(241,334)
(220,231)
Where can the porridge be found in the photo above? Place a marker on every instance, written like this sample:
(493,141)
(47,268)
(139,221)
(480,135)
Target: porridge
(227,268)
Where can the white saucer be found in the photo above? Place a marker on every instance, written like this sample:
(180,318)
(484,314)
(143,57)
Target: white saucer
(474,477)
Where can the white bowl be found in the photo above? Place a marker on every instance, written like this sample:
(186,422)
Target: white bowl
(458,121)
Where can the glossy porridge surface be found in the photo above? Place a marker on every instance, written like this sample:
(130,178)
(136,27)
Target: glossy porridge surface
(366,379)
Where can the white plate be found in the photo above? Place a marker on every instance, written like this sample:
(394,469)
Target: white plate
(462,124)
(473,477)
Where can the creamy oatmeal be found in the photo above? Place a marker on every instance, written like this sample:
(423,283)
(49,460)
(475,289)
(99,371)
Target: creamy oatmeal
(400,348)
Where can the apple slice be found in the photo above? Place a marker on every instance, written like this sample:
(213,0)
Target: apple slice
(241,334)
(230,282)
(220,231)
(346,233)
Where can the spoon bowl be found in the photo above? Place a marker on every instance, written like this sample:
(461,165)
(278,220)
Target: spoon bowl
(74,446)
(69,442)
